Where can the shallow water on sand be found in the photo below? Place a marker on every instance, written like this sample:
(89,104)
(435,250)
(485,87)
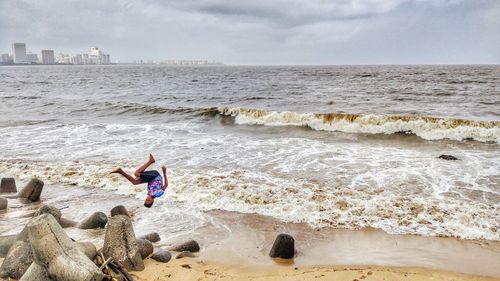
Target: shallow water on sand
(257,140)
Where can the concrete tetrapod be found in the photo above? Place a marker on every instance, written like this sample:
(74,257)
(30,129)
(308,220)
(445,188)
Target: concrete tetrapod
(32,190)
(120,243)
(17,260)
(54,250)
(35,272)
(96,220)
(8,185)
(3,203)
(5,243)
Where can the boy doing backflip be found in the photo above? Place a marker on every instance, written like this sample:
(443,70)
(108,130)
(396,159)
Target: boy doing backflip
(156,185)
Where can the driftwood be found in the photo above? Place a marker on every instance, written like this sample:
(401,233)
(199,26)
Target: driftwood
(112,270)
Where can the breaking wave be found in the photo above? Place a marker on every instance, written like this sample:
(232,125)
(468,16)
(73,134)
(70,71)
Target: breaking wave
(429,128)
(426,127)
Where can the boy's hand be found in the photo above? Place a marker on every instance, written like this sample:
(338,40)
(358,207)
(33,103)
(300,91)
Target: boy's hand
(165,185)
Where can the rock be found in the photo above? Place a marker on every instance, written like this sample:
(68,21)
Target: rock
(68,223)
(190,246)
(145,247)
(153,237)
(17,261)
(8,185)
(283,247)
(120,210)
(5,243)
(88,249)
(23,235)
(448,157)
(185,254)
(3,203)
(162,256)
(96,220)
(35,272)
(46,209)
(54,250)
(32,190)
(121,244)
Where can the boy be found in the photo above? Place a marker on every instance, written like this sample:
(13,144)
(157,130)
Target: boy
(156,186)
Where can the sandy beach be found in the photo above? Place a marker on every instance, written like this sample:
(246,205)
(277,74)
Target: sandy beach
(197,269)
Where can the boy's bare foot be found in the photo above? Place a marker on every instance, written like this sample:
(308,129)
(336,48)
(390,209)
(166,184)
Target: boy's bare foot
(151,158)
(116,170)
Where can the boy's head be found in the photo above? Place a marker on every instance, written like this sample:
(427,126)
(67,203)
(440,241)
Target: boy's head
(149,202)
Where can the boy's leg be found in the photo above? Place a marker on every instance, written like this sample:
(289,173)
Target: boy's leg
(145,166)
(131,179)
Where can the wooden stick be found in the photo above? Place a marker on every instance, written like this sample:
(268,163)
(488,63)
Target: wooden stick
(119,269)
(105,263)
(98,260)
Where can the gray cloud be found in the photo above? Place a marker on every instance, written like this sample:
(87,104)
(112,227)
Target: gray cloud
(261,32)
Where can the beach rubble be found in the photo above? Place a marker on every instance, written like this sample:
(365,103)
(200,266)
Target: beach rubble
(42,251)
(283,247)
(32,191)
(121,245)
(120,210)
(96,220)
(17,260)
(162,255)
(190,246)
(5,243)
(55,251)
(185,254)
(35,272)
(8,185)
(88,249)
(153,237)
(447,157)
(46,209)
(68,223)
(3,203)
(145,247)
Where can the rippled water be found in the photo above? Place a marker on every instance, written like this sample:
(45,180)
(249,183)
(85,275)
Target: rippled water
(349,146)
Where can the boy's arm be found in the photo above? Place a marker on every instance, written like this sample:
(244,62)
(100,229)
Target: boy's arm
(165,179)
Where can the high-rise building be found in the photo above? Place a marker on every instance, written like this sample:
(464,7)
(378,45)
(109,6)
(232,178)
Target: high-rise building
(48,57)
(63,59)
(97,57)
(19,53)
(94,51)
(77,59)
(32,58)
(5,59)
(105,59)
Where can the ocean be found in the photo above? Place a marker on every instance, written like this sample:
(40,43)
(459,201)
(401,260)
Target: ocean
(330,146)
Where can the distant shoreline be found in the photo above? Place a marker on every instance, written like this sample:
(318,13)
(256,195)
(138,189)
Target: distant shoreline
(263,65)
(125,63)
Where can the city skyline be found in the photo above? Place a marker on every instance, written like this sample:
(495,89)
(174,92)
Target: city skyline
(20,55)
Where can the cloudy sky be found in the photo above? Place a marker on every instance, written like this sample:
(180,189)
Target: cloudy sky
(261,31)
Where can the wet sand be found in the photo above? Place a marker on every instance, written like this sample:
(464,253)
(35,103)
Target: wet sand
(235,246)
(196,269)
